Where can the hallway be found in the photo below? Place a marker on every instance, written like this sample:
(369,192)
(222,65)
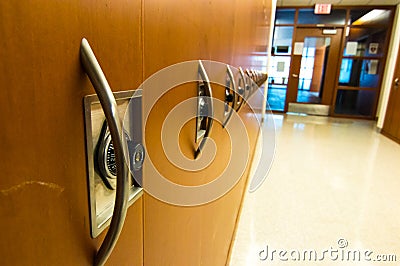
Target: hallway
(334,185)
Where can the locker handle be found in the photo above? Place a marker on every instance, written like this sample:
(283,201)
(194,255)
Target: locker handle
(109,105)
(210,111)
(228,96)
(249,86)
(254,86)
(241,90)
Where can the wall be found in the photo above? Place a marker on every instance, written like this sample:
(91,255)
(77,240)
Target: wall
(389,70)
(224,31)
(43,188)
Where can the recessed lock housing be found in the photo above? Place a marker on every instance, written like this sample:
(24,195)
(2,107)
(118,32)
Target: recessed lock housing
(101,164)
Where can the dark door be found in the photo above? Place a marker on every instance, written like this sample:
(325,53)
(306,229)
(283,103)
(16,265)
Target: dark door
(391,127)
(314,66)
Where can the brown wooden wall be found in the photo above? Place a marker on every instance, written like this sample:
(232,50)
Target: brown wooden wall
(43,187)
(391,127)
(222,31)
(44,198)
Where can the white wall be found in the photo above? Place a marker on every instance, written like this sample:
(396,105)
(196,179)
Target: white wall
(389,69)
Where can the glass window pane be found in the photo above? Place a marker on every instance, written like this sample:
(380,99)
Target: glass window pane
(370,16)
(345,71)
(355,102)
(282,41)
(369,41)
(311,51)
(284,16)
(278,72)
(359,73)
(276,97)
(307,16)
(278,75)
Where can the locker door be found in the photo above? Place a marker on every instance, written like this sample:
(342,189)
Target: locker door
(174,33)
(43,188)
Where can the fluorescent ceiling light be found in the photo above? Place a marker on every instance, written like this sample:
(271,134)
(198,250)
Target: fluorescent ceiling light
(370,16)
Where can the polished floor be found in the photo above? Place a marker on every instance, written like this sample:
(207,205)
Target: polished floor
(332,197)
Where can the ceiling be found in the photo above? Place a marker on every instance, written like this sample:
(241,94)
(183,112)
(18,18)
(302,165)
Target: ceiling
(281,3)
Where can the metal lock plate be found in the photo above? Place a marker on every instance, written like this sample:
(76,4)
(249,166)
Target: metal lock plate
(101,160)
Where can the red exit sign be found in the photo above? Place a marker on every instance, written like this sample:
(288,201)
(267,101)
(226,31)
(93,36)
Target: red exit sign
(322,8)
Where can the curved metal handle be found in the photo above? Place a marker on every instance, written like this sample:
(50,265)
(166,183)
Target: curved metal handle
(227,94)
(109,105)
(254,84)
(396,83)
(210,110)
(262,78)
(249,85)
(241,94)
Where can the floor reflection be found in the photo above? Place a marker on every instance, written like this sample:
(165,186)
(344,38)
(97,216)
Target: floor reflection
(333,181)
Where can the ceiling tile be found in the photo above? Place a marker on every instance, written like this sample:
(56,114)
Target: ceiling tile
(384,2)
(295,2)
(333,2)
(336,2)
(354,2)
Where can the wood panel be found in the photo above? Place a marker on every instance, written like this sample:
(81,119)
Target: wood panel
(43,190)
(391,126)
(43,187)
(251,34)
(175,32)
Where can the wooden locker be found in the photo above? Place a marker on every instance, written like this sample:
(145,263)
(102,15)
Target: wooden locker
(175,32)
(43,189)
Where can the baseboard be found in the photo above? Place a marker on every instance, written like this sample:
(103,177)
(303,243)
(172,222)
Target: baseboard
(310,109)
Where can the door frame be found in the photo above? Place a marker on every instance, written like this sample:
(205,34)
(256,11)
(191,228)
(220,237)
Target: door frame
(333,60)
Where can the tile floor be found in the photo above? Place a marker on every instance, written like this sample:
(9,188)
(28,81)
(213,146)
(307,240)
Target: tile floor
(333,181)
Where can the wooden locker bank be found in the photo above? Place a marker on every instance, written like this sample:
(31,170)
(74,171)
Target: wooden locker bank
(44,187)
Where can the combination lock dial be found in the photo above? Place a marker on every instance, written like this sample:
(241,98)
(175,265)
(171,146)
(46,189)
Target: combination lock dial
(106,164)
(109,158)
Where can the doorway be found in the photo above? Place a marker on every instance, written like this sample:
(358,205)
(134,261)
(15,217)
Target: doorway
(357,39)
(313,71)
